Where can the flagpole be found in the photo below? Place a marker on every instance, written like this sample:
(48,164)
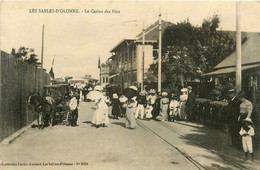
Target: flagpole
(41,73)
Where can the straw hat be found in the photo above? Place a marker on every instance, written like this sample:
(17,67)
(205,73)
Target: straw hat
(152,91)
(164,94)
(248,120)
(115,96)
(184,90)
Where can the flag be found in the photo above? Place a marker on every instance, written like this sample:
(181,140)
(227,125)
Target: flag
(51,71)
(99,62)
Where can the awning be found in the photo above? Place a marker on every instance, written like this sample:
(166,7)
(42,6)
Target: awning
(230,70)
(114,75)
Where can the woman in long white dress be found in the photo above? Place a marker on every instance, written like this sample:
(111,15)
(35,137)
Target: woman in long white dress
(183,99)
(100,116)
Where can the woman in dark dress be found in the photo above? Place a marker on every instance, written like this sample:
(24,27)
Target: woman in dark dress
(116,106)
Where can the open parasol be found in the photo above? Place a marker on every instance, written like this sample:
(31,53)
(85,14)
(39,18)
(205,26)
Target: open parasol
(94,95)
(130,93)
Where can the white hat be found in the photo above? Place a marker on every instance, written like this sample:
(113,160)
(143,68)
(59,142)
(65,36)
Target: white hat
(184,90)
(152,91)
(115,96)
(248,120)
(98,88)
(133,87)
(164,93)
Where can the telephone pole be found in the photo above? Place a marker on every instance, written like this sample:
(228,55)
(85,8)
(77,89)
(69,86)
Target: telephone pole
(143,45)
(41,73)
(238,47)
(160,55)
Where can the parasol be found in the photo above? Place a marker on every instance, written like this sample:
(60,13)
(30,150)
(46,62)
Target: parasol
(98,88)
(94,95)
(130,93)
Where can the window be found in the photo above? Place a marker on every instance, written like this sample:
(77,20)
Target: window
(106,79)
(103,79)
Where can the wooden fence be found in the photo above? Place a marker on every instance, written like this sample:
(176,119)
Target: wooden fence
(17,79)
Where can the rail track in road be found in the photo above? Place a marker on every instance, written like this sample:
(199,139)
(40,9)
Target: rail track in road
(196,164)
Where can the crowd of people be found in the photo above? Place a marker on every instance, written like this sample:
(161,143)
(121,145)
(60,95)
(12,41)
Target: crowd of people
(144,105)
(171,107)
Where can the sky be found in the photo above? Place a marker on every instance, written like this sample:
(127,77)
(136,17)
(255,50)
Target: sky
(78,39)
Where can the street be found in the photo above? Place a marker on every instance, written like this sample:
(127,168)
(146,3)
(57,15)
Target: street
(152,145)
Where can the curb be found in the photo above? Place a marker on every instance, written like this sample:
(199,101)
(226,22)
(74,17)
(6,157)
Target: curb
(15,135)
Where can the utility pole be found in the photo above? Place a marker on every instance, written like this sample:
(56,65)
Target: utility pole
(143,45)
(238,47)
(160,54)
(41,73)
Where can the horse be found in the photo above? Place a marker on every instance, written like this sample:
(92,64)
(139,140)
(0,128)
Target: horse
(44,111)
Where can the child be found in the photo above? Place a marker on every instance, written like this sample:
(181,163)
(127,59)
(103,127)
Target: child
(247,131)
(174,109)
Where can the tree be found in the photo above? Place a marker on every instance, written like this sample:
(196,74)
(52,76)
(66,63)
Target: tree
(26,54)
(189,51)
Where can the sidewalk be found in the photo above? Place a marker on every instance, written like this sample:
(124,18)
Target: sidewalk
(216,141)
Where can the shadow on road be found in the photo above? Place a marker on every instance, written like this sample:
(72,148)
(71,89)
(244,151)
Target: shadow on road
(119,123)
(87,122)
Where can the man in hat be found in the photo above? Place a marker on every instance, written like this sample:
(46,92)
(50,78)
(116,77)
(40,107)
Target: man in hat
(234,111)
(141,104)
(190,104)
(74,109)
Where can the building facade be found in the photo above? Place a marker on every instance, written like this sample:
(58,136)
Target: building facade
(104,75)
(131,58)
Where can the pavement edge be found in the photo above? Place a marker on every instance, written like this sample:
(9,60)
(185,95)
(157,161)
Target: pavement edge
(15,135)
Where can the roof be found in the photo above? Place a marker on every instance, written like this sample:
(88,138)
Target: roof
(120,43)
(250,53)
(151,34)
(231,70)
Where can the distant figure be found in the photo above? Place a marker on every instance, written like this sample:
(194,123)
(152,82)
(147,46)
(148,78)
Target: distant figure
(246,107)
(116,106)
(130,114)
(183,99)
(100,111)
(190,104)
(141,104)
(234,112)
(247,131)
(73,110)
(164,104)
(151,99)
(174,108)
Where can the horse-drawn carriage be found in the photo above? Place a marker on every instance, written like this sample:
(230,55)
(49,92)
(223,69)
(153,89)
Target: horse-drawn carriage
(61,95)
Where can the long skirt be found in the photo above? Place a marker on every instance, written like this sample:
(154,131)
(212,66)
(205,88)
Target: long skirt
(99,117)
(164,111)
(130,118)
(183,114)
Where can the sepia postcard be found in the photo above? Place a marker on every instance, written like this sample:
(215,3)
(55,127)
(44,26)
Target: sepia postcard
(120,85)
